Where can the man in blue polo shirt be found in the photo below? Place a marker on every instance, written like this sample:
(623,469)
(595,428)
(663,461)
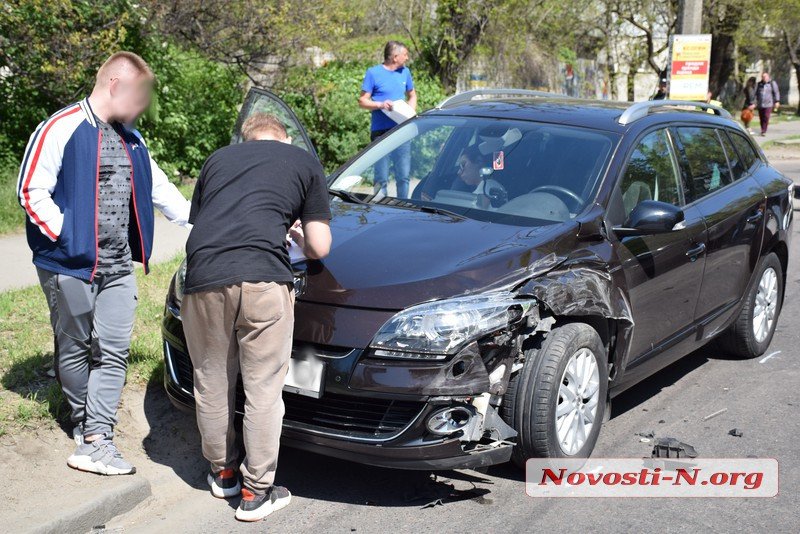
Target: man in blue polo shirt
(383,84)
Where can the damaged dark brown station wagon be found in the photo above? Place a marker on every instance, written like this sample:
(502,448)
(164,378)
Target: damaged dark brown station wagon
(553,253)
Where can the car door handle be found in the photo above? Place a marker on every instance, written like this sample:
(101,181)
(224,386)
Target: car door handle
(754,218)
(696,251)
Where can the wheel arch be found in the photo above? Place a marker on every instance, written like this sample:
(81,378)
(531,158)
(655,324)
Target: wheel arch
(781,249)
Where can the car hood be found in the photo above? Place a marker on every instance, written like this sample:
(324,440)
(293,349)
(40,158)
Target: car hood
(385,257)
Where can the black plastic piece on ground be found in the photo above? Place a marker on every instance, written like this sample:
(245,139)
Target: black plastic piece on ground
(672,448)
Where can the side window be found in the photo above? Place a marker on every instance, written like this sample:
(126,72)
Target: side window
(707,163)
(737,166)
(745,149)
(651,173)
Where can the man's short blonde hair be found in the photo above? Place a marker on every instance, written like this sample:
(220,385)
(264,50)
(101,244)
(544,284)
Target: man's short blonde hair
(122,60)
(261,123)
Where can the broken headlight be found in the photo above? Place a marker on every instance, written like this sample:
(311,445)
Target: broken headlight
(435,330)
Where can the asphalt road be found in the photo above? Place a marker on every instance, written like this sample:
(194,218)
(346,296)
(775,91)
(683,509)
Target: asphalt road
(759,396)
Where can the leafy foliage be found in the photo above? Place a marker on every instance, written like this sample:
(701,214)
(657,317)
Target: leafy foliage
(50,52)
(193,109)
(326,101)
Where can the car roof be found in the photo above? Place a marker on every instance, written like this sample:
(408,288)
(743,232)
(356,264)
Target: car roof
(586,113)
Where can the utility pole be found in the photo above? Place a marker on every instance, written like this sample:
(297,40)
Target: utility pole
(690,16)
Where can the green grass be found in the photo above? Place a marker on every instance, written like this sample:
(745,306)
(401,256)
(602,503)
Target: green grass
(12,218)
(28,397)
(775,142)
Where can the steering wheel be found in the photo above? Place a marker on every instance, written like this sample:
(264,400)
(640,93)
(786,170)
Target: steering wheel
(564,192)
(495,192)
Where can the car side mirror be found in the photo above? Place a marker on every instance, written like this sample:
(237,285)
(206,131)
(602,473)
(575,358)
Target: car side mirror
(650,217)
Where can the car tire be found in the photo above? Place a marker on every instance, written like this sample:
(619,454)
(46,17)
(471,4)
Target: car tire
(535,393)
(746,337)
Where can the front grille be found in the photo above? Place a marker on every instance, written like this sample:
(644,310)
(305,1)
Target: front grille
(334,413)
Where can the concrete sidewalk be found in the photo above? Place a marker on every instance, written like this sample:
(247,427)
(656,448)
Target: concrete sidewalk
(784,157)
(18,271)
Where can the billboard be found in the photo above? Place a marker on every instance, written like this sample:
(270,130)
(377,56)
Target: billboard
(690,58)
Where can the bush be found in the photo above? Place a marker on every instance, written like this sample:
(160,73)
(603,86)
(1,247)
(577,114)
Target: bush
(193,110)
(326,101)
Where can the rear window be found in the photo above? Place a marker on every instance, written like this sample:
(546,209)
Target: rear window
(708,165)
(738,167)
(745,149)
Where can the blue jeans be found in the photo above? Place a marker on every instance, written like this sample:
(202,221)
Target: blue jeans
(401,159)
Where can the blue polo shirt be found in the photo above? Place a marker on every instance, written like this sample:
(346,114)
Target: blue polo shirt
(384,84)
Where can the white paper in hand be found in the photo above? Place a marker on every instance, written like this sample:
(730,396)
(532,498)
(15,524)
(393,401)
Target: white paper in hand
(401,111)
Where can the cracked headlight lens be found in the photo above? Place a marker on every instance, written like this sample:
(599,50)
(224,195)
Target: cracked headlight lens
(434,330)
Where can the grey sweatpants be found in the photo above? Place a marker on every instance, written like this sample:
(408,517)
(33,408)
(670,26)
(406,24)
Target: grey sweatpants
(81,313)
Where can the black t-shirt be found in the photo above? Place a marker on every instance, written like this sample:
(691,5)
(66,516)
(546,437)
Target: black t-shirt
(247,197)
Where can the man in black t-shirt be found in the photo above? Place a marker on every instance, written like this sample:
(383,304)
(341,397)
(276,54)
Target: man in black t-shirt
(238,308)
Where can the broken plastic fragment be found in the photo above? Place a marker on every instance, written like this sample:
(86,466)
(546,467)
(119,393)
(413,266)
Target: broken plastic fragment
(672,448)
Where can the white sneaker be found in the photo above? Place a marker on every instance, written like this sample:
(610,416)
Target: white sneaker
(256,507)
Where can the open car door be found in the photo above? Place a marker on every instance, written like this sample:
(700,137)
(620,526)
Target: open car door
(263,101)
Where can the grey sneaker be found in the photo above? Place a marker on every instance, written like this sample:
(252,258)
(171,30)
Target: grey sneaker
(100,456)
(255,507)
(77,434)
(224,484)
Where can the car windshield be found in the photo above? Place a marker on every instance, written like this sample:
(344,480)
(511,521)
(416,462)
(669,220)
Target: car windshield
(512,172)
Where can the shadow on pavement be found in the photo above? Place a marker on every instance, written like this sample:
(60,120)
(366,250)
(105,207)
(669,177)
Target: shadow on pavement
(174,441)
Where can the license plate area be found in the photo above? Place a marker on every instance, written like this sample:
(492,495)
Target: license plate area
(305,377)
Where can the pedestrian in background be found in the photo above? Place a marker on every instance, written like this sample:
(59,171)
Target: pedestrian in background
(768,99)
(238,308)
(661,93)
(749,92)
(384,83)
(88,186)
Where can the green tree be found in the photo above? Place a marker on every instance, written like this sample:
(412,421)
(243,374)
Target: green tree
(326,102)
(785,17)
(194,107)
(49,52)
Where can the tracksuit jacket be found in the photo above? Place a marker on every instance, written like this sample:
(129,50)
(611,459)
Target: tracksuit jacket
(59,183)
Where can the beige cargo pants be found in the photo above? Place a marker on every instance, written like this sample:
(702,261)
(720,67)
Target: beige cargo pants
(245,327)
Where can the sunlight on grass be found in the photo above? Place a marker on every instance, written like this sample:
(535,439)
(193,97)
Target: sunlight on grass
(28,397)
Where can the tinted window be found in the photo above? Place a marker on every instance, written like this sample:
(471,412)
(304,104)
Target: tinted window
(707,164)
(651,173)
(737,167)
(745,149)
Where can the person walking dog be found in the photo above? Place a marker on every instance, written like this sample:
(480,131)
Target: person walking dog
(88,186)
(238,305)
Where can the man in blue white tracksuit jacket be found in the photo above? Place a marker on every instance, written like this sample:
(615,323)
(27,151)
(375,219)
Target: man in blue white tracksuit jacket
(88,186)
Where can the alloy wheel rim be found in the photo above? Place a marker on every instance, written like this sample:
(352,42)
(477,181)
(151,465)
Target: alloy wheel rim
(578,399)
(766,305)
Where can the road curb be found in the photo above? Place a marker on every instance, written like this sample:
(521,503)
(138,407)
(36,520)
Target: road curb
(108,504)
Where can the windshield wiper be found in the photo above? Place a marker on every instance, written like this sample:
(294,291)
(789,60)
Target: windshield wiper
(440,211)
(346,196)
(405,204)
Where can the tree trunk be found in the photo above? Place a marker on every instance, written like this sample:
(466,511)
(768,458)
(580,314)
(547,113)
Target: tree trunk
(797,75)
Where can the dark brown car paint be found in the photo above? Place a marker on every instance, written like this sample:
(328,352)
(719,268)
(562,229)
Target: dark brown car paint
(640,293)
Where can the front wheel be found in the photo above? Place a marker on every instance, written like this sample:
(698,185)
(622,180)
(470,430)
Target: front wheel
(557,401)
(750,335)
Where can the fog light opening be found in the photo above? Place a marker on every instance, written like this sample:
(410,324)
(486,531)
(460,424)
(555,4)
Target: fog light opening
(449,420)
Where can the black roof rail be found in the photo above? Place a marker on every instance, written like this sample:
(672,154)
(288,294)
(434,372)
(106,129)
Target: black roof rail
(639,110)
(485,94)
